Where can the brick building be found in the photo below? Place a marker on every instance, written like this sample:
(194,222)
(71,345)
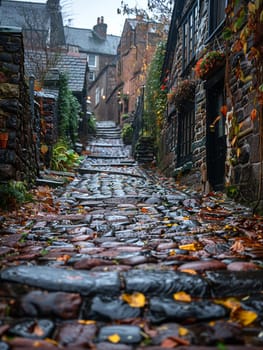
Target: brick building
(135,51)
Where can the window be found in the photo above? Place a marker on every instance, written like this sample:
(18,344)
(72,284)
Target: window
(91,76)
(216,14)
(185,135)
(190,36)
(92,60)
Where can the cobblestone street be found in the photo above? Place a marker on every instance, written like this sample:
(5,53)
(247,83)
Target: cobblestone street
(131,261)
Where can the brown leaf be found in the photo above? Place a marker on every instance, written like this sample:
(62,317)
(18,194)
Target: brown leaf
(237,247)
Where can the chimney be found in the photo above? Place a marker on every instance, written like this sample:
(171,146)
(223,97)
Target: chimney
(100,29)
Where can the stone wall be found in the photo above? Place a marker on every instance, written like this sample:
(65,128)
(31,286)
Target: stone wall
(18,161)
(48,125)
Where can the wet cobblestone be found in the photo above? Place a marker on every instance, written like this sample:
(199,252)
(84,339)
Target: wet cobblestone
(130,261)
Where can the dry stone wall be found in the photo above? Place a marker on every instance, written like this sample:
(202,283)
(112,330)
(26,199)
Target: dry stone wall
(18,159)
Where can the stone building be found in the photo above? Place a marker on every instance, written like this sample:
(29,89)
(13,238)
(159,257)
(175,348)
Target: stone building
(210,138)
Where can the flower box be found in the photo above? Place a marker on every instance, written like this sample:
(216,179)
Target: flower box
(207,65)
(183,92)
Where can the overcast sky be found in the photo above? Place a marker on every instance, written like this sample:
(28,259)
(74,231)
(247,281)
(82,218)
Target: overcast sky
(84,13)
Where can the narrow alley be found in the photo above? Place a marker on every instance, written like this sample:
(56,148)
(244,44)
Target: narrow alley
(128,261)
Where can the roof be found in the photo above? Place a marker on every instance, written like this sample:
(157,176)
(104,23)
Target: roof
(74,65)
(88,42)
(24,14)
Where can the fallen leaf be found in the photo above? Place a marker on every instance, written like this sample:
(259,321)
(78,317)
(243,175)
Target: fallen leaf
(183,331)
(169,343)
(86,322)
(192,272)
(38,331)
(64,257)
(190,246)
(182,296)
(237,247)
(134,300)
(173,341)
(114,338)
(244,317)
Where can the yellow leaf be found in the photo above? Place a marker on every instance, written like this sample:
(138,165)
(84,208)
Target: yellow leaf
(233,141)
(238,152)
(134,300)
(230,303)
(86,322)
(190,246)
(182,296)
(44,149)
(114,338)
(182,331)
(172,252)
(51,341)
(251,7)
(244,317)
(192,272)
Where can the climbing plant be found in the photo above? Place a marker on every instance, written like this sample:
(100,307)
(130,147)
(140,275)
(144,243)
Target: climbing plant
(68,110)
(155,95)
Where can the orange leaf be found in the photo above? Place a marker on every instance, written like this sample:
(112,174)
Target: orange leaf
(38,331)
(182,296)
(173,341)
(169,343)
(114,338)
(223,110)
(144,210)
(134,300)
(64,257)
(237,247)
(253,114)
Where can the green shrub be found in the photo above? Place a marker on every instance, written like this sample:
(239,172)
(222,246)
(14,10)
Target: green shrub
(63,157)
(127,133)
(13,193)
(92,125)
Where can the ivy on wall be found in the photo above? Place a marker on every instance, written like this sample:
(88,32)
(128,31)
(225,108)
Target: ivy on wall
(155,95)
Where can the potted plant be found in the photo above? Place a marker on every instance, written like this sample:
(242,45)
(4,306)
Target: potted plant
(209,63)
(183,92)
(3,138)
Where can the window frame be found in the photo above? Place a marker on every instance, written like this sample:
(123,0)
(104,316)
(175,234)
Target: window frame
(189,35)
(186,132)
(215,23)
(95,60)
(91,73)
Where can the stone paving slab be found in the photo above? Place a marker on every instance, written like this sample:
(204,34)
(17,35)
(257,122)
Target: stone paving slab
(45,277)
(68,274)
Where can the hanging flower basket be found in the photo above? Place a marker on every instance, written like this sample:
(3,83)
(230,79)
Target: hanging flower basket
(207,65)
(184,92)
